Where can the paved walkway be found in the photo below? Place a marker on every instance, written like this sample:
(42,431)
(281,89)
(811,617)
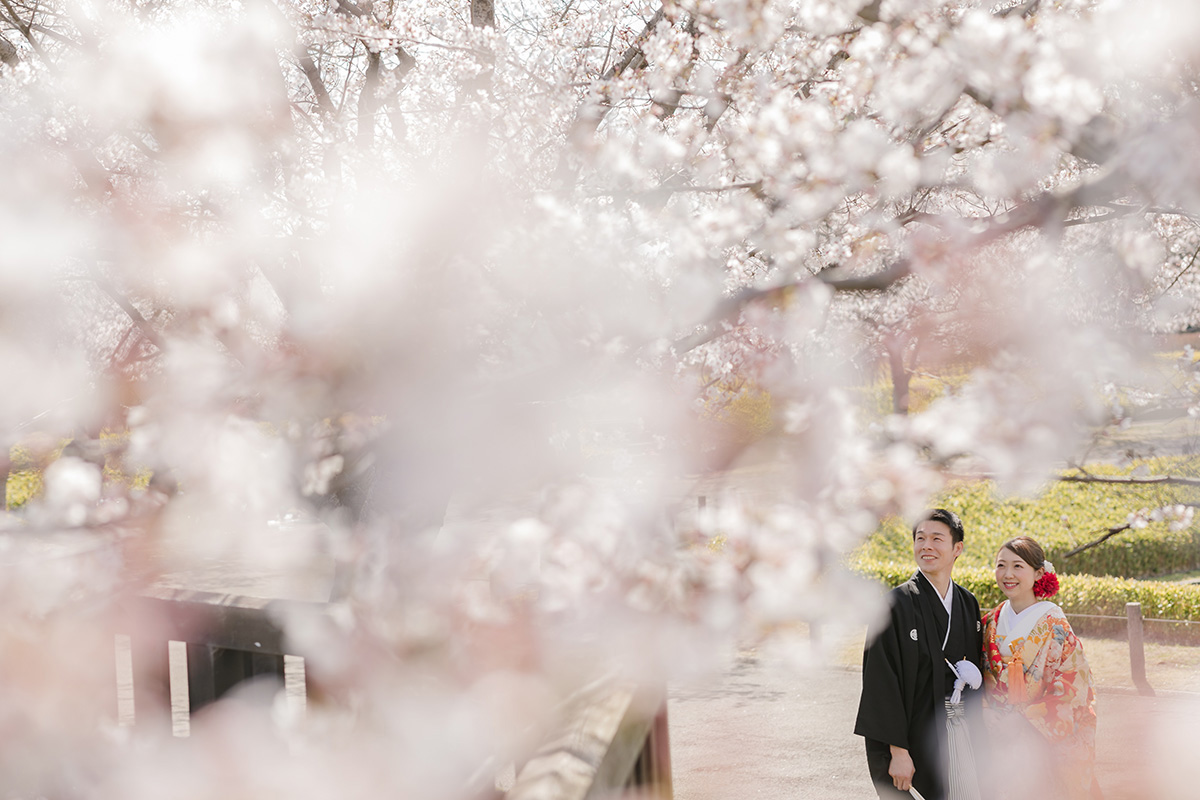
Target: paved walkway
(766,731)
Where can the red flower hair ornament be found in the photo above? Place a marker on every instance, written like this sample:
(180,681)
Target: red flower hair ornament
(1046,586)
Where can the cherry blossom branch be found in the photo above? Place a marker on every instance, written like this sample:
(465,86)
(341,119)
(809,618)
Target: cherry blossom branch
(1037,212)
(1074,221)
(729,308)
(634,52)
(1026,9)
(666,189)
(353,9)
(1152,209)
(875,282)
(592,112)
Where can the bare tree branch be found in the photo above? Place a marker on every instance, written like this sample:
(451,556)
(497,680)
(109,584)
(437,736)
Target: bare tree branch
(1111,532)
(127,306)
(313,73)
(1129,480)
(1180,274)
(25,28)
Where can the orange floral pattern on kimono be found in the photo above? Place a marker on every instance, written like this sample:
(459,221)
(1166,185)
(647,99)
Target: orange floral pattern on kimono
(1047,680)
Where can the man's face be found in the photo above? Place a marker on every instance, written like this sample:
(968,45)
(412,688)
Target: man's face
(934,547)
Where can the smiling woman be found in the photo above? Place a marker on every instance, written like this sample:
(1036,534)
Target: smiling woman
(1016,577)
(1039,686)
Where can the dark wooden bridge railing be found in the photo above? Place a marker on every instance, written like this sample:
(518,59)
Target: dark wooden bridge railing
(229,639)
(614,736)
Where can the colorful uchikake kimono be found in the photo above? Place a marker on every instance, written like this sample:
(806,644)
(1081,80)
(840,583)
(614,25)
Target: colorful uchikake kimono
(1034,667)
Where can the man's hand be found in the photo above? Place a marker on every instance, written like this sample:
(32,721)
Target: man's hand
(902,769)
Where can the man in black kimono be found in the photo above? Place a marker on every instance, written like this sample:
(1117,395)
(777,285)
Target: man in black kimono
(907,677)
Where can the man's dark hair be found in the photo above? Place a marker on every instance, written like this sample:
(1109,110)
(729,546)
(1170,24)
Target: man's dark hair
(947,518)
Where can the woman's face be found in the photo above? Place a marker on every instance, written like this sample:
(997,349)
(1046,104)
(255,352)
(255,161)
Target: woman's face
(1015,576)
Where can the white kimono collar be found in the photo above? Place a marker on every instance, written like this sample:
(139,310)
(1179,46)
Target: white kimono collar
(1012,625)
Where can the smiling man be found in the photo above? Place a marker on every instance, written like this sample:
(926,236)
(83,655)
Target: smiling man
(931,639)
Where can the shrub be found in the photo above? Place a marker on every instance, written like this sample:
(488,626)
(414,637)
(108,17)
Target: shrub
(22,487)
(750,413)
(1064,516)
(1088,595)
(25,477)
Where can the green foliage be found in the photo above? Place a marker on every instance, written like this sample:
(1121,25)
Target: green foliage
(1078,595)
(22,487)
(25,472)
(750,413)
(746,409)
(1064,516)
(25,475)
(875,399)
(116,471)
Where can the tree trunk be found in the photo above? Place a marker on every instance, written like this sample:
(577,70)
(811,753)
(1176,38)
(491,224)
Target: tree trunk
(900,374)
(483,13)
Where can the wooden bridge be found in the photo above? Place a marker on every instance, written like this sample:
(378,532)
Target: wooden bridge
(223,617)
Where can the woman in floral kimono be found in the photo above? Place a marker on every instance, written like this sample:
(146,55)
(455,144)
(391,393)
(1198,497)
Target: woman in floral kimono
(1038,686)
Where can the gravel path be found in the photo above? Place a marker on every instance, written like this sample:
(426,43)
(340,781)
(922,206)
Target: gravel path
(764,730)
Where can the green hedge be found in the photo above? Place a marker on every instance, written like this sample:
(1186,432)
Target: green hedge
(25,471)
(1063,516)
(1081,595)
(22,487)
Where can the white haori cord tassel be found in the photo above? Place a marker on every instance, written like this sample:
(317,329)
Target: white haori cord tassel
(968,675)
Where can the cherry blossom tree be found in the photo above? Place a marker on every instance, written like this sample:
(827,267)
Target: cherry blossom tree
(464,280)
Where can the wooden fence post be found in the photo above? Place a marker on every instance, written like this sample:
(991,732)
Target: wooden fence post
(151,681)
(1137,650)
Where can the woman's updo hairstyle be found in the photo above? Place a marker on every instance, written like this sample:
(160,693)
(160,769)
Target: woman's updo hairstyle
(1028,550)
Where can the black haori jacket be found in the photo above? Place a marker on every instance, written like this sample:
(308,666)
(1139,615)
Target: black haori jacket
(905,677)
